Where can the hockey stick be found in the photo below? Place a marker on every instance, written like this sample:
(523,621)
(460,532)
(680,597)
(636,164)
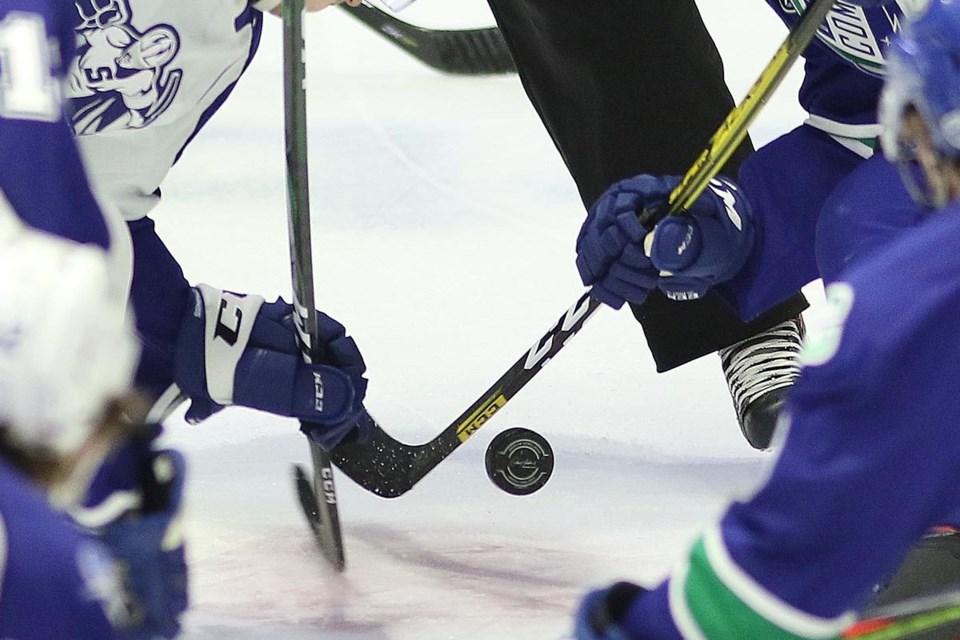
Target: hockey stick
(390,468)
(455,51)
(323,516)
(928,618)
(734,129)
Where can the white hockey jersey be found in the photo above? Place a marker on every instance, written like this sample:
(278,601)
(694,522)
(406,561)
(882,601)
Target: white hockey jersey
(147,76)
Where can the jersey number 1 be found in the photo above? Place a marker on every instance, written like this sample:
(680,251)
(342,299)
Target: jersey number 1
(27,89)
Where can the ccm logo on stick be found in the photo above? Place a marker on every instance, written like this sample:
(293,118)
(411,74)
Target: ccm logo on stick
(569,320)
(477,420)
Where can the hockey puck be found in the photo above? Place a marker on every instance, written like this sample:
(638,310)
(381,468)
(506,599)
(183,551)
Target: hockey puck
(519,461)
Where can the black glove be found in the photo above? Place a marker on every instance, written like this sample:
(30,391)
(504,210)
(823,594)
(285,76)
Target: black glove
(601,612)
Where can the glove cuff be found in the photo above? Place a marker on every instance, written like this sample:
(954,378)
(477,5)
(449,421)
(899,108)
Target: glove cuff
(213,336)
(616,603)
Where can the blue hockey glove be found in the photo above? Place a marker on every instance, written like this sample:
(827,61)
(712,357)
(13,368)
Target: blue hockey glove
(601,612)
(684,255)
(236,349)
(611,229)
(134,506)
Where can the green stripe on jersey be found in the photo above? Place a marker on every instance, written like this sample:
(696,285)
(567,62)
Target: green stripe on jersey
(718,612)
(712,598)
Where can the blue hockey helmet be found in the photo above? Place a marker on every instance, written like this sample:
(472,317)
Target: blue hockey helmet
(924,73)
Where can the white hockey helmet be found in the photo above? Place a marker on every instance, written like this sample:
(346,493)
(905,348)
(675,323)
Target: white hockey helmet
(65,347)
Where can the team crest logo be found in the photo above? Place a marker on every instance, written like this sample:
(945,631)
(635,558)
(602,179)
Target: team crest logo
(823,343)
(122,78)
(859,36)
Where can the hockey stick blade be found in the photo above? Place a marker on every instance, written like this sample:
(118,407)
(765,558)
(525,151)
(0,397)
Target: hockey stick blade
(307,497)
(390,468)
(471,52)
(313,513)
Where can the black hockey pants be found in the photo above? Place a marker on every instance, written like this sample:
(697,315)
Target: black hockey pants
(627,87)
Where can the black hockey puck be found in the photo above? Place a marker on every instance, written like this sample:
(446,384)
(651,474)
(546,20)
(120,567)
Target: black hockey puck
(519,461)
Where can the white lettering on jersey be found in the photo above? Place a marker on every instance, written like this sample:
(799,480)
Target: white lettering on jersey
(847,30)
(28,90)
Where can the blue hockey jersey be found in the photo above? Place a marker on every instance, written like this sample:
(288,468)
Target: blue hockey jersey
(822,199)
(41,176)
(844,66)
(870,432)
(55,584)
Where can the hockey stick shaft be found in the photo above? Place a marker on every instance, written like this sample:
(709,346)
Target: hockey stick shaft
(481,51)
(733,130)
(921,618)
(390,468)
(523,370)
(319,500)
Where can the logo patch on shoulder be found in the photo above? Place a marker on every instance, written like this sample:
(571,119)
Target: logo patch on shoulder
(823,343)
(849,31)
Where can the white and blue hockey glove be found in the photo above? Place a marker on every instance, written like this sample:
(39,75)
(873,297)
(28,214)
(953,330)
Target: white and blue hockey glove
(683,255)
(134,506)
(601,612)
(236,349)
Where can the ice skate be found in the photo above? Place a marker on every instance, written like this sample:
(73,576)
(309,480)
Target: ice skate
(759,371)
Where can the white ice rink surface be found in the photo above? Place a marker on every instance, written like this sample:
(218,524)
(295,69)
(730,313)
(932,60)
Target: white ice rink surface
(444,224)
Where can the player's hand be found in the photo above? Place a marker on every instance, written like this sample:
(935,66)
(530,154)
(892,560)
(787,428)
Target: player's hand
(601,612)
(684,255)
(612,238)
(238,349)
(134,506)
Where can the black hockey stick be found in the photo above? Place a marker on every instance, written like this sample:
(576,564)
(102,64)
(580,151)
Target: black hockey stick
(322,515)
(473,52)
(390,468)
(934,617)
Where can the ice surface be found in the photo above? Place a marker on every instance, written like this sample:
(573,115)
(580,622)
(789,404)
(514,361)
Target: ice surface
(444,224)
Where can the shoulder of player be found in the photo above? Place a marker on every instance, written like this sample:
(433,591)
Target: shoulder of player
(42,555)
(910,287)
(889,312)
(31,523)
(922,264)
